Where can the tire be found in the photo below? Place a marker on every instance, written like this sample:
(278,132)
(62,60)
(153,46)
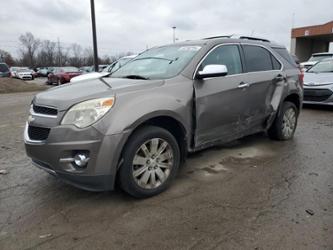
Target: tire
(154,170)
(285,123)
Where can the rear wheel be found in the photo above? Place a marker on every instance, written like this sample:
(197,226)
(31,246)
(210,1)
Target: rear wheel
(151,160)
(284,125)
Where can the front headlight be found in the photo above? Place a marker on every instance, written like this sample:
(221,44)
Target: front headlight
(88,112)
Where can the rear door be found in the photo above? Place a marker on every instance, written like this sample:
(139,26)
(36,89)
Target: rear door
(219,101)
(264,75)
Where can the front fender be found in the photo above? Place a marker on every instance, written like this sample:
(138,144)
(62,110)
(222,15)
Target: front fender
(132,109)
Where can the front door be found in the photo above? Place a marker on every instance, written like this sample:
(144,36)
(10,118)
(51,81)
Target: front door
(220,101)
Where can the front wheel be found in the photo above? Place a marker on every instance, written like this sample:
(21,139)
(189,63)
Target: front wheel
(284,125)
(150,161)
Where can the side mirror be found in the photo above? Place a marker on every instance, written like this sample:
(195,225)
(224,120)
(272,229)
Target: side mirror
(212,70)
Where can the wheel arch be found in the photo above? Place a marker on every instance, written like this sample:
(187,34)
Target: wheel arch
(166,120)
(295,99)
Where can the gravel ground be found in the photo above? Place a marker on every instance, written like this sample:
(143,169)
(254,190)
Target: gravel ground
(252,194)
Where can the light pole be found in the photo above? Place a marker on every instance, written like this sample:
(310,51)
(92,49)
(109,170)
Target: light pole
(93,23)
(174,34)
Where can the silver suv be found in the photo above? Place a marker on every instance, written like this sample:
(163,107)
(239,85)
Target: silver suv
(137,125)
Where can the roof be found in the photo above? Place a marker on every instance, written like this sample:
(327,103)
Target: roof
(228,39)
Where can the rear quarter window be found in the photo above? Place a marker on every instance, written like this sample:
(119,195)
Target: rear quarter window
(286,56)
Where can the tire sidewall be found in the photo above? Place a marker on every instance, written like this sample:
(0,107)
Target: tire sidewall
(285,107)
(127,181)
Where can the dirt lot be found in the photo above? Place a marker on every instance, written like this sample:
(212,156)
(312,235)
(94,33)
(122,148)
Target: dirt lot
(253,194)
(11,85)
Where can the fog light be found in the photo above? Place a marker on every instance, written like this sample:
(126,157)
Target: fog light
(81,160)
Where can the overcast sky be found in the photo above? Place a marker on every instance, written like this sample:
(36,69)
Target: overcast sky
(129,25)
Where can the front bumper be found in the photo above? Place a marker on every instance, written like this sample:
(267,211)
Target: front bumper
(63,142)
(25,77)
(322,95)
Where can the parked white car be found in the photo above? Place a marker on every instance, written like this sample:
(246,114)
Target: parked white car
(317,57)
(318,83)
(24,73)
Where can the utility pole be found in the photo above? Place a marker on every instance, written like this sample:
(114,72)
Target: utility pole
(174,34)
(93,23)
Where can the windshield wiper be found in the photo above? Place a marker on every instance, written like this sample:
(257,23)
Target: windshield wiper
(136,77)
(159,58)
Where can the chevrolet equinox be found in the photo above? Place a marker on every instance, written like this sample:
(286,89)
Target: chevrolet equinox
(136,126)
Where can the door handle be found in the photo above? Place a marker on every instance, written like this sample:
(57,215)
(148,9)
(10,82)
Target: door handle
(243,85)
(280,78)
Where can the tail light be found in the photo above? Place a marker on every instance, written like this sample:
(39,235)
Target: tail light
(301,78)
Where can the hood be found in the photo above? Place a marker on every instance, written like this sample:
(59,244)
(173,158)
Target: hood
(25,72)
(89,76)
(65,96)
(317,79)
(311,63)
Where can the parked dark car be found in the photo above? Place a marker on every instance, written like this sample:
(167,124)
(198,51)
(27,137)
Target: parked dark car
(61,75)
(4,70)
(136,127)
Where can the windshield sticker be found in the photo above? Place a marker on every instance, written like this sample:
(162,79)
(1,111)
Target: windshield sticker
(189,48)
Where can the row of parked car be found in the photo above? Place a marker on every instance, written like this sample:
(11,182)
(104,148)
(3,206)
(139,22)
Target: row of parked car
(23,73)
(60,75)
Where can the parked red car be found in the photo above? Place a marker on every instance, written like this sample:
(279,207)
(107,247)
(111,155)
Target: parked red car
(62,75)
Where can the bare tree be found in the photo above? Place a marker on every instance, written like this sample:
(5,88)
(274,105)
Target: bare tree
(47,54)
(6,57)
(88,56)
(76,55)
(29,48)
(61,54)
(35,52)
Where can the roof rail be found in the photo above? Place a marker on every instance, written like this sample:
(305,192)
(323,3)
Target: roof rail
(238,37)
(214,37)
(254,38)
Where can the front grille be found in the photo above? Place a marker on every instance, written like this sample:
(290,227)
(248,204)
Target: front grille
(44,110)
(317,95)
(38,133)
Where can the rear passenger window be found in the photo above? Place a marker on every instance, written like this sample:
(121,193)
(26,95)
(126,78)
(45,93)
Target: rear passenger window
(227,55)
(257,58)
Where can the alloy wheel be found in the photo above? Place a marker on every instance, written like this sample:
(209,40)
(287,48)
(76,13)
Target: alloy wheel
(289,122)
(152,163)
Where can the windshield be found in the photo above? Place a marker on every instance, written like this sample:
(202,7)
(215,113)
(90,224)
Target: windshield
(23,69)
(3,68)
(117,64)
(109,67)
(321,67)
(319,57)
(158,63)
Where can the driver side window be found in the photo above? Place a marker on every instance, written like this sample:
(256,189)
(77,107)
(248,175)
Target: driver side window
(227,55)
